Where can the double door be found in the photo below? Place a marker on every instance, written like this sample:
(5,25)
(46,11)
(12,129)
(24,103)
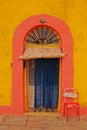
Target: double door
(44,77)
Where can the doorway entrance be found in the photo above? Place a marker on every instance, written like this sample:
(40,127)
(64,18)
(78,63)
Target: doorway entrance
(18,46)
(43,84)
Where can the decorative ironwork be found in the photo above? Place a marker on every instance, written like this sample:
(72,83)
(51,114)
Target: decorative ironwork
(42,35)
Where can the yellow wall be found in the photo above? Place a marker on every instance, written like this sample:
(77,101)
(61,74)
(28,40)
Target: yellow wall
(13,12)
(76,18)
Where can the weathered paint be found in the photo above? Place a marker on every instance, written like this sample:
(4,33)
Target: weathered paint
(14,12)
(17,64)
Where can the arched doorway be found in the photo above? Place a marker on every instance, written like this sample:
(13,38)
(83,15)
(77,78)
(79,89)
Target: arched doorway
(42,55)
(66,78)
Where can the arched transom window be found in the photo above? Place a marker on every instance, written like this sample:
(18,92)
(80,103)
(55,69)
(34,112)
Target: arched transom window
(42,35)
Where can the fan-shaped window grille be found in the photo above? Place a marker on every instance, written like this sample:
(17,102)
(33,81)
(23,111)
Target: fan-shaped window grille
(42,35)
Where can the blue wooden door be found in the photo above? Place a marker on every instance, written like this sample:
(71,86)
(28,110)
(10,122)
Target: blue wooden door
(46,83)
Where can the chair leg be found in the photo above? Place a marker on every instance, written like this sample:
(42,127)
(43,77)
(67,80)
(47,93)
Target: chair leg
(67,114)
(64,110)
(78,113)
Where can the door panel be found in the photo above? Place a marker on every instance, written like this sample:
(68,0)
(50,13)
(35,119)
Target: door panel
(38,83)
(30,82)
(46,83)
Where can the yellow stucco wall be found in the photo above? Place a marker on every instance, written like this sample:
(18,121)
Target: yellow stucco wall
(76,18)
(73,12)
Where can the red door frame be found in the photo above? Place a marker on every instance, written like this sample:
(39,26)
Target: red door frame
(62,29)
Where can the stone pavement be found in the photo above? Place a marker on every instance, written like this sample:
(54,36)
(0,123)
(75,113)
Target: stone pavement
(42,122)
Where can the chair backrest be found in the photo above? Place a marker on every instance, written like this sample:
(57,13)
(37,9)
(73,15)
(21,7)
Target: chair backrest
(70,95)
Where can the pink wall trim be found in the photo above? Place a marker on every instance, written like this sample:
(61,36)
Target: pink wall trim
(62,29)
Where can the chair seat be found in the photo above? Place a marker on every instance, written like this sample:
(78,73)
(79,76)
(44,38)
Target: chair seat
(70,105)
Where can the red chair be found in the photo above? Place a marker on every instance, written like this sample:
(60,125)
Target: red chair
(71,101)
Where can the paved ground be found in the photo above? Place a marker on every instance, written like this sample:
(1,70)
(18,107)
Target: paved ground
(42,122)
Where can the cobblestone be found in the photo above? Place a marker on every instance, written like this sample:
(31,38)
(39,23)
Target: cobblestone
(42,122)
(14,120)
